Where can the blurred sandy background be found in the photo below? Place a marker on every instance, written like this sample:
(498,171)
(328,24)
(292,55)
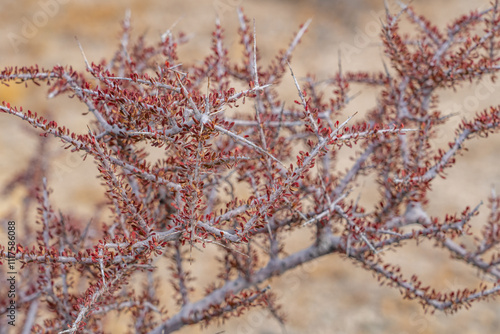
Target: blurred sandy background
(330,295)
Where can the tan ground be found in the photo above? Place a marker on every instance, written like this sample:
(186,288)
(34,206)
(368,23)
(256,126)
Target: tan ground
(330,295)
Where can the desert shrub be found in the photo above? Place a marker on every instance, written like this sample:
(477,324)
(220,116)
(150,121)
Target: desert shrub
(239,169)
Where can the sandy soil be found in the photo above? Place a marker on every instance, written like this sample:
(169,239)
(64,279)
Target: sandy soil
(330,295)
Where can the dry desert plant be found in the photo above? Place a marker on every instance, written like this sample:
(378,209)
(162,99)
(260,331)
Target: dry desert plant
(214,139)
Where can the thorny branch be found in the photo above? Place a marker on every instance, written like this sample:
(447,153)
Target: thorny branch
(239,180)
